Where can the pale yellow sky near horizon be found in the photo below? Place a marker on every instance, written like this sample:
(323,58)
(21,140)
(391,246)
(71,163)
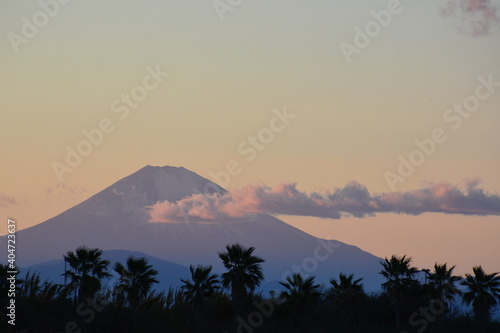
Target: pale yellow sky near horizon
(225,78)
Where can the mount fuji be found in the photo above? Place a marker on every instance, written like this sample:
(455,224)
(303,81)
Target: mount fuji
(118,218)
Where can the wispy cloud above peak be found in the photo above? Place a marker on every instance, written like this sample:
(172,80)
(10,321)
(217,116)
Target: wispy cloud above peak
(62,190)
(475,17)
(8,201)
(353,199)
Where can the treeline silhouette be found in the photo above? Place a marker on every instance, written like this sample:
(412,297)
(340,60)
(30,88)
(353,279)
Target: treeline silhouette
(411,300)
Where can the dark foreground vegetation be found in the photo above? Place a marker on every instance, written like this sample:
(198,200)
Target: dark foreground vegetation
(411,300)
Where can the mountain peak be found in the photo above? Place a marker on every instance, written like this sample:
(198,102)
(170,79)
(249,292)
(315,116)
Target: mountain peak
(170,183)
(149,167)
(147,186)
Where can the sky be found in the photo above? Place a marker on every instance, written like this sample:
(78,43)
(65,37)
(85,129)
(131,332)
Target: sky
(399,97)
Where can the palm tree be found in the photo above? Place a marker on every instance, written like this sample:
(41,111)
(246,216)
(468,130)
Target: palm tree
(200,290)
(400,281)
(483,293)
(87,269)
(202,286)
(301,295)
(300,291)
(346,293)
(244,273)
(442,283)
(136,280)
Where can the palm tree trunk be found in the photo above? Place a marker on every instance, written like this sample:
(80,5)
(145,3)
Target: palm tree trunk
(200,318)
(239,301)
(399,304)
(134,319)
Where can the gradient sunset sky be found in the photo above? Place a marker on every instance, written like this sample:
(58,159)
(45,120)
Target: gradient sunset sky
(228,74)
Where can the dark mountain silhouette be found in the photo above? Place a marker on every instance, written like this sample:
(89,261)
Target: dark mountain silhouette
(168,273)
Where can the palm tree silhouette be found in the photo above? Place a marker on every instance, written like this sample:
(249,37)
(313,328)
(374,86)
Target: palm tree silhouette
(483,293)
(399,275)
(244,273)
(300,297)
(202,285)
(87,269)
(199,290)
(442,283)
(346,293)
(136,280)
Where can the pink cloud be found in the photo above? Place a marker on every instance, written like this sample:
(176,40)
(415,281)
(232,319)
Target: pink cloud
(7,201)
(61,190)
(476,17)
(353,199)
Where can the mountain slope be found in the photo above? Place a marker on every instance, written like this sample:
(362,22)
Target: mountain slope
(117,218)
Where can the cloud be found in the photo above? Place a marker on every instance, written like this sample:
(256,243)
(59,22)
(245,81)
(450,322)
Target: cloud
(476,17)
(7,201)
(353,199)
(61,190)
